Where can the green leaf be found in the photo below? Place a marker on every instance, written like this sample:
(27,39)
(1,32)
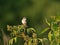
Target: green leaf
(15,39)
(43,31)
(49,36)
(31,30)
(11,41)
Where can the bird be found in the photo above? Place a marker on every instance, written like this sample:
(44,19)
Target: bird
(24,22)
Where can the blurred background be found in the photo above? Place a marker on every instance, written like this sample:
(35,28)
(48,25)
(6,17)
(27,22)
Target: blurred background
(12,11)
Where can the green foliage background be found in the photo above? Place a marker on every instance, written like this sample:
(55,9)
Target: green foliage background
(12,11)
